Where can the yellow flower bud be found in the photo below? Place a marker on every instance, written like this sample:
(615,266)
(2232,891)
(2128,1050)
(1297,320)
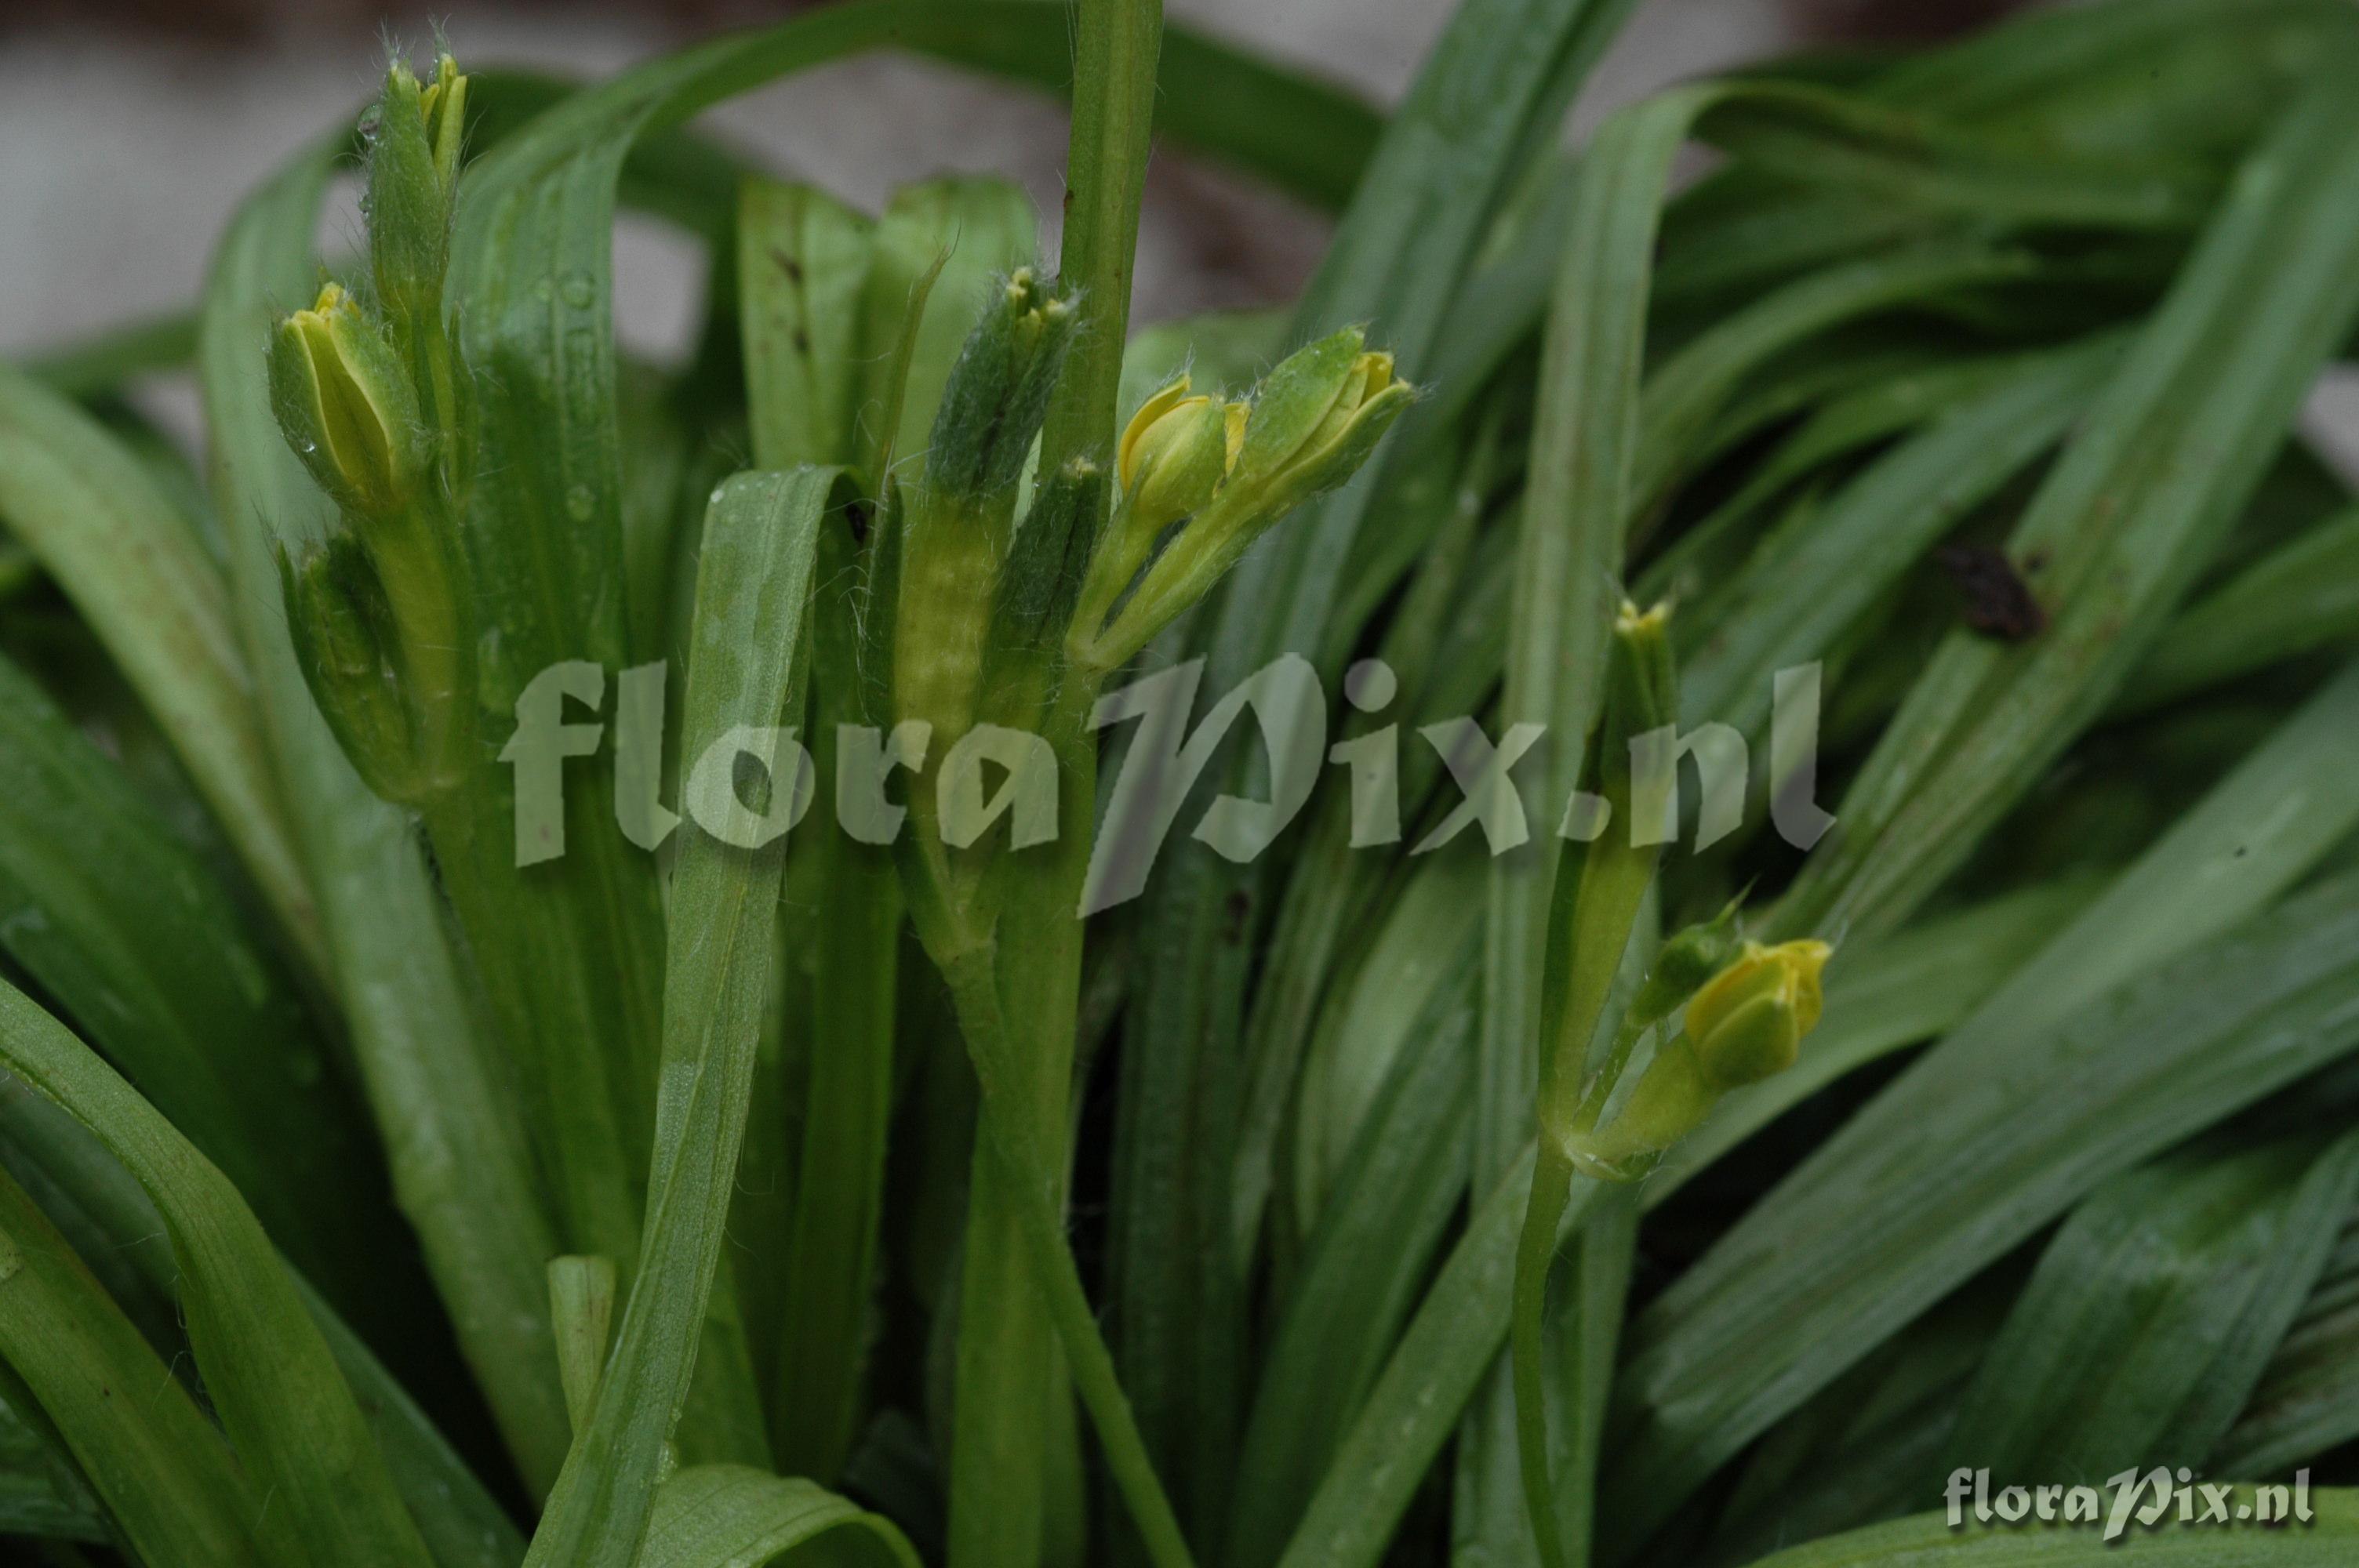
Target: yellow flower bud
(1748,1021)
(1314,420)
(1745,1024)
(1159,402)
(1174,459)
(346,404)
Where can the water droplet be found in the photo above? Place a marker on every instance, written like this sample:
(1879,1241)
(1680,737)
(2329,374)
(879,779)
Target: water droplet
(579,290)
(372,120)
(580,503)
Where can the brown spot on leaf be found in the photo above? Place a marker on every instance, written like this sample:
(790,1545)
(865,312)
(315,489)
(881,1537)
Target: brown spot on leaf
(1998,602)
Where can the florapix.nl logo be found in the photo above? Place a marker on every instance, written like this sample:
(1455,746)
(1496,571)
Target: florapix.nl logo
(2151,1499)
(756,783)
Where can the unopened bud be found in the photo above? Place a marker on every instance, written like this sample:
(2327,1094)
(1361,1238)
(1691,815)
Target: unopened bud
(345,406)
(413,174)
(443,103)
(344,643)
(998,394)
(1174,456)
(1748,1021)
(1687,962)
(1745,1024)
(1315,419)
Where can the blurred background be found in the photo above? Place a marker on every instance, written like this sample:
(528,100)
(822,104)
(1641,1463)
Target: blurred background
(129,129)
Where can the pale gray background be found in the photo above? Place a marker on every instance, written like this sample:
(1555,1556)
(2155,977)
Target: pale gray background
(121,151)
(128,132)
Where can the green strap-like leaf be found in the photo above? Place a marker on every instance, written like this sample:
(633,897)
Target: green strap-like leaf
(2119,529)
(75,1177)
(136,568)
(753,585)
(286,1407)
(722,1516)
(2152,1313)
(165,1476)
(134,935)
(2307,1402)
(2302,596)
(1405,1177)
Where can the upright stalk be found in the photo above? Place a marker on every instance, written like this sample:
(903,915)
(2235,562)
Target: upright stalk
(1007,1374)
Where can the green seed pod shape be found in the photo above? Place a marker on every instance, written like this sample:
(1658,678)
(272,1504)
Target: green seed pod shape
(343,636)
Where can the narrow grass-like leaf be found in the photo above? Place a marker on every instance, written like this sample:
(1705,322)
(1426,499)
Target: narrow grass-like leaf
(2153,1312)
(47,1494)
(1692,385)
(1859,1452)
(1373,1018)
(2308,1401)
(285,1405)
(2120,528)
(130,931)
(1445,640)
(1405,1178)
(752,584)
(139,574)
(722,1516)
(464,1526)
(805,263)
(2302,596)
(1801,589)
(1444,1355)
(165,1475)
(2076,1099)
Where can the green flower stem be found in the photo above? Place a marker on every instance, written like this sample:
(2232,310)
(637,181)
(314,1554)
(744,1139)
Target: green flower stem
(1552,1195)
(1006,1352)
(1007,1368)
(1017,995)
(1116,47)
(1016,1135)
